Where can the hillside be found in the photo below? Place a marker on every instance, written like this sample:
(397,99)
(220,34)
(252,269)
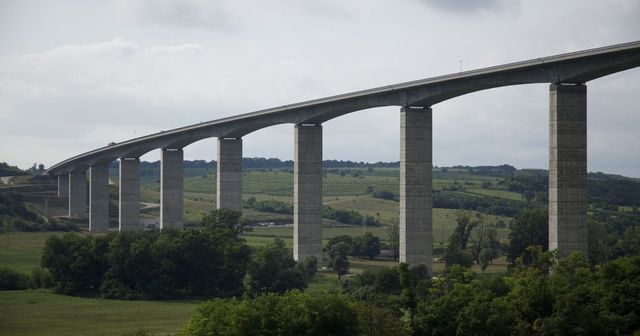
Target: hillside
(7,170)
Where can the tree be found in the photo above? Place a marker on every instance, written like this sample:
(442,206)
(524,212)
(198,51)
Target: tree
(366,246)
(455,253)
(464,226)
(309,267)
(486,256)
(223,219)
(273,270)
(484,238)
(341,248)
(339,239)
(338,258)
(393,233)
(529,227)
(340,265)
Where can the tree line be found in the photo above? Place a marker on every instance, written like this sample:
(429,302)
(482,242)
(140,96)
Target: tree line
(345,216)
(211,261)
(548,296)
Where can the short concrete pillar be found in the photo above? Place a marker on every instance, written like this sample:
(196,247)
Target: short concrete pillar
(129,200)
(78,194)
(63,186)
(98,199)
(229,174)
(568,168)
(171,189)
(416,236)
(307,193)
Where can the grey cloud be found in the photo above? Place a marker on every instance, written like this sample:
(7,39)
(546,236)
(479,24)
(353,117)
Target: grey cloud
(473,6)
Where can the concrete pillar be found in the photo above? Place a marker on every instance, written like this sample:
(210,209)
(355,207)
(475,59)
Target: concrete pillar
(416,236)
(307,192)
(568,168)
(229,174)
(78,194)
(98,199)
(63,185)
(129,200)
(171,189)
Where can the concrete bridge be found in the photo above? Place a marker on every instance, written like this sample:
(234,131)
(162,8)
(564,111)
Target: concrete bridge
(567,74)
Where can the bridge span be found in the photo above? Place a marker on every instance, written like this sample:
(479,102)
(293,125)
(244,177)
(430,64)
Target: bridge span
(567,75)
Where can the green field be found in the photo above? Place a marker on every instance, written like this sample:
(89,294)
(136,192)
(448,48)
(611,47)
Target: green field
(21,251)
(40,312)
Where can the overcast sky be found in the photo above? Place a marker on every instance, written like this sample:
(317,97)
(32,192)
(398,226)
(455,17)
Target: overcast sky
(75,75)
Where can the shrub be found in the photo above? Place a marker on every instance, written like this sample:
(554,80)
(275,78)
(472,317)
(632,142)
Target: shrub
(12,280)
(41,278)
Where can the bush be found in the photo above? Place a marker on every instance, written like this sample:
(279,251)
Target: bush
(41,278)
(273,270)
(294,313)
(12,280)
(367,246)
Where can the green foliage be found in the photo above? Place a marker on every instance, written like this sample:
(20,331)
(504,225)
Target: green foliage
(365,246)
(308,267)
(455,253)
(340,265)
(293,313)
(528,182)
(76,263)
(546,296)
(376,319)
(7,170)
(529,227)
(223,221)
(339,248)
(12,280)
(484,243)
(338,239)
(270,206)
(454,199)
(348,216)
(273,270)
(393,236)
(14,216)
(612,189)
(40,278)
(169,264)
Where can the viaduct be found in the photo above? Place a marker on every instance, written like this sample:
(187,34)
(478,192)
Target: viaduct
(566,73)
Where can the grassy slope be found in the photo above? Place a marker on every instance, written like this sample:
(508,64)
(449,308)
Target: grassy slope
(40,312)
(21,251)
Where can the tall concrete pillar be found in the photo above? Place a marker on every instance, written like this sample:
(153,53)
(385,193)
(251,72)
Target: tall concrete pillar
(98,199)
(416,236)
(229,174)
(63,185)
(129,200)
(307,193)
(78,194)
(568,168)
(171,189)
